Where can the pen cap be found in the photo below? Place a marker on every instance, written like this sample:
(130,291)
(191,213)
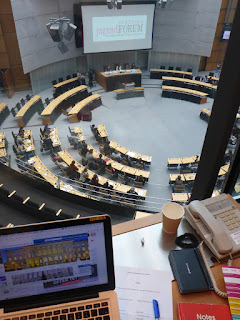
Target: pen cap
(156,309)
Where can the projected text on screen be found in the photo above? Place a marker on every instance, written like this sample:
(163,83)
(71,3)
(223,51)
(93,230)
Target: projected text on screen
(119,28)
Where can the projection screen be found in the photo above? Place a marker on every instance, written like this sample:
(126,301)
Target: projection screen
(129,28)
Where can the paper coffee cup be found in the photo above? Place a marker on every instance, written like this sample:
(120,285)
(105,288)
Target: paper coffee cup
(172,216)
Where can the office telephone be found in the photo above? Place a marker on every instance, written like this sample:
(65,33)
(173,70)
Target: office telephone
(217,221)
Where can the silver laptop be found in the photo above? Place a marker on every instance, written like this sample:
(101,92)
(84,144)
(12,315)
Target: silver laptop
(58,271)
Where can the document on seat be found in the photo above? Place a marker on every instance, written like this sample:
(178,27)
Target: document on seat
(136,288)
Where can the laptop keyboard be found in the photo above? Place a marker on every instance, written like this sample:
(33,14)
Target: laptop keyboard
(95,311)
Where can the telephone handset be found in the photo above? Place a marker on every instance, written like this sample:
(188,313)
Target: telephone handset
(217,221)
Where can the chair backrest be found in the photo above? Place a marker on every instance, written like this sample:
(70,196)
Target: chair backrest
(71,131)
(13,112)
(178,69)
(22,102)
(18,106)
(189,70)
(54,82)
(14,149)
(68,77)
(125,162)
(211,74)
(179,188)
(137,184)
(60,79)
(139,166)
(74,75)
(170,68)
(121,178)
(55,94)
(197,78)
(162,67)
(47,101)
(64,112)
(109,171)
(28,97)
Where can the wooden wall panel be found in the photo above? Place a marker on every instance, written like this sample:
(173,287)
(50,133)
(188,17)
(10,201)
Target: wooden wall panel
(21,80)
(4,62)
(5,7)
(7,23)
(219,48)
(11,58)
(8,82)
(11,43)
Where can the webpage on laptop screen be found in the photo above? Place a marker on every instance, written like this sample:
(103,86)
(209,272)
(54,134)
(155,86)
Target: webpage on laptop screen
(51,260)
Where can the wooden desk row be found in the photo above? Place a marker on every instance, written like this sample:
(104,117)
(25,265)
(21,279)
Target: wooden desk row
(175,162)
(49,177)
(187,177)
(184,94)
(205,114)
(117,147)
(84,106)
(63,86)
(51,112)
(131,93)
(113,79)
(4,112)
(27,111)
(65,156)
(120,167)
(159,73)
(205,87)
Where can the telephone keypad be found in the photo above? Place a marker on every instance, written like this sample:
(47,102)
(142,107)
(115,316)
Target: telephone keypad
(230,219)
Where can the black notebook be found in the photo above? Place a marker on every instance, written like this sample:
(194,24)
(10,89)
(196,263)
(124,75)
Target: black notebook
(189,270)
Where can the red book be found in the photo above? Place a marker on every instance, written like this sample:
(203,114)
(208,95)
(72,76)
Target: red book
(203,311)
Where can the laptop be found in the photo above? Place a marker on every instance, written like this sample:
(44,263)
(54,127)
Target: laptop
(61,270)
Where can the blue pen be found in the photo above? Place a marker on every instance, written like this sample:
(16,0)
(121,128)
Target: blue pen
(156,309)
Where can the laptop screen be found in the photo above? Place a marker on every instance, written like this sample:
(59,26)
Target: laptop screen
(53,257)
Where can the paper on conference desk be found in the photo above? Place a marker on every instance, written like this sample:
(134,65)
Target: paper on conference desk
(136,288)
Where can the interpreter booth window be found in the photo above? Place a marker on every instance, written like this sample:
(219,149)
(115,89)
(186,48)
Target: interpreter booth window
(111,100)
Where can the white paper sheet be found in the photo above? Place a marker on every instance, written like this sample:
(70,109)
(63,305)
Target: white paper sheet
(136,288)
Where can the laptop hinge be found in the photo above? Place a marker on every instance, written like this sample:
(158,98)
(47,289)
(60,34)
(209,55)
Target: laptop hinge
(39,303)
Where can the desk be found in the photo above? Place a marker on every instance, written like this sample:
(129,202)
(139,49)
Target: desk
(102,131)
(28,141)
(154,254)
(184,94)
(28,110)
(3,152)
(208,88)
(114,145)
(49,177)
(129,93)
(84,106)
(2,140)
(51,112)
(55,139)
(65,156)
(4,112)
(80,135)
(113,79)
(158,73)
(181,197)
(70,83)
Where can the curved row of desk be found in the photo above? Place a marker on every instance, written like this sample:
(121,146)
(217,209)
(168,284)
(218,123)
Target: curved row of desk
(130,93)
(28,110)
(184,94)
(159,73)
(53,110)
(205,87)
(67,158)
(173,163)
(120,167)
(84,107)
(65,85)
